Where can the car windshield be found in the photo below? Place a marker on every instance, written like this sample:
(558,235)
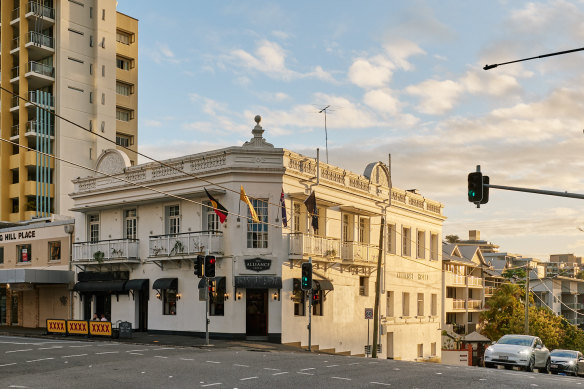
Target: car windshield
(563,354)
(515,341)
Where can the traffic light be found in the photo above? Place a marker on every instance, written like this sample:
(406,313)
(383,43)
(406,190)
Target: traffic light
(209,266)
(485,190)
(199,266)
(475,187)
(306,281)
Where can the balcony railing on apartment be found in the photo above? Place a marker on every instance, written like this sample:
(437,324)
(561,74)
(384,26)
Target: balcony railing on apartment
(474,281)
(40,39)
(458,304)
(15,13)
(15,43)
(15,130)
(306,244)
(40,68)
(490,290)
(40,10)
(14,72)
(474,304)
(357,251)
(31,126)
(576,306)
(188,243)
(106,251)
(454,279)
(35,97)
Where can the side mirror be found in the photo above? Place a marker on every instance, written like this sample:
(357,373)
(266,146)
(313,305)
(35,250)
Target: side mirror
(538,346)
(494,342)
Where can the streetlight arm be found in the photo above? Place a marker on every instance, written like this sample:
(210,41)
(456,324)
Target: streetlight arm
(488,67)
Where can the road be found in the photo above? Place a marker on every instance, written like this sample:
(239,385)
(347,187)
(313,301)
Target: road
(49,363)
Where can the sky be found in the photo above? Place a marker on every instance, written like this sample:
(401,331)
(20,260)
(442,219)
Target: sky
(401,77)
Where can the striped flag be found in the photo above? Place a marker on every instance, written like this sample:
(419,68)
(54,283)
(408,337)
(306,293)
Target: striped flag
(283,206)
(219,209)
(243,197)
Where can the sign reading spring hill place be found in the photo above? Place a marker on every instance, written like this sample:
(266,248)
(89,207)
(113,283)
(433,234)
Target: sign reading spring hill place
(258,264)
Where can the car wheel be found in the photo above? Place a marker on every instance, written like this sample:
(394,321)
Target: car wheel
(530,365)
(546,368)
(490,365)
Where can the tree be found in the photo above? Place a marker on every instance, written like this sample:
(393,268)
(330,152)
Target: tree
(452,238)
(517,276)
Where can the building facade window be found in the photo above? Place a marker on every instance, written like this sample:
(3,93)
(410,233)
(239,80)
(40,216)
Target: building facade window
(93,227)
(391,235)
(130,224)
(124,140)
(420,304)
(124,115)
(434,247)
(390,304)
(123,37)
(55,251)
(363,286)
(257,233)
(217,297)
(434,305)
(172,219)
(299,298)
(405,304)
(363,230)
(433,349)
(23,253)
(296,210)
(406,242)
(420,350)
(421,245)
(169,302)
(346,228)
(210,218)
(123,63)
(123,89)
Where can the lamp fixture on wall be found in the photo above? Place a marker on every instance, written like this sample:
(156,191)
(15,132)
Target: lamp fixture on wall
(276,296)
(239,295)
(178,296)
(158,295)
(226,296)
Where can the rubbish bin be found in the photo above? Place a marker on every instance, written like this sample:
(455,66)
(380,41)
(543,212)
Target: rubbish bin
(125,329)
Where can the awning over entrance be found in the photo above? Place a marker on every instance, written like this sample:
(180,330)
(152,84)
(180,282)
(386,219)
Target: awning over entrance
(165,283)
(322,285)
(100,286)
(202,281)
(35,276)
(258,282)
(137,284)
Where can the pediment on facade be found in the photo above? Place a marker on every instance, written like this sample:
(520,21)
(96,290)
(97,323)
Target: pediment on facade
(377,173)
(112,161)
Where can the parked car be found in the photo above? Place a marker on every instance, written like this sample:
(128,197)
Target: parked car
(525,351)
(567,361)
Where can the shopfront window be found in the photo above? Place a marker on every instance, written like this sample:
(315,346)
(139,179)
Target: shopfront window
(169,301)
(55,251)
(299,298)
(217,297)
(23,253)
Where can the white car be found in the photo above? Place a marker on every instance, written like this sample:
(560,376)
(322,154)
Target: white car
(525,351)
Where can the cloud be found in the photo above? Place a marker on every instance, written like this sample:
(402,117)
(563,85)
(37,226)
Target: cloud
(437,97)
(374,72)
(280,34)
(152,123)
(382,100)
(400,50)
(161,54)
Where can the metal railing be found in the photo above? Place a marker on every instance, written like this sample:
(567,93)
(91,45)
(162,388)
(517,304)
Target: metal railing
(40,68)
(357,251)
(15,13)
(106,250)
(15,43)
(31,126)
(490,290)
(188,243)
(15,130)
(15,72)
(454,279)
(34,97)
(306,244)
(40,39)
(474,304)
(474,281)
(40,10)
(458,304)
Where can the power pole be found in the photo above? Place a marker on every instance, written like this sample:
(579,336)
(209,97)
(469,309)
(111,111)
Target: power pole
(377,284)
(527,299)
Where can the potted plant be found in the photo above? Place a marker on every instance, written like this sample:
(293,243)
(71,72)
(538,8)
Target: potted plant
(178,247)
(98,256)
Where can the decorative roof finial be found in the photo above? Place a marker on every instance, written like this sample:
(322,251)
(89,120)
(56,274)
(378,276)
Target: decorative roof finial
(257,140)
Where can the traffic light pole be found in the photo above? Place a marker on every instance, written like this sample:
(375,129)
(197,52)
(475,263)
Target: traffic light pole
(310,311)
(206,311)
(538,191)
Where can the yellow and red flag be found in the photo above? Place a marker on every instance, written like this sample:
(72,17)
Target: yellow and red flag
(243,197)
(219,209)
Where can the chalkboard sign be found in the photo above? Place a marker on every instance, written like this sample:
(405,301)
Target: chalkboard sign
(125,329)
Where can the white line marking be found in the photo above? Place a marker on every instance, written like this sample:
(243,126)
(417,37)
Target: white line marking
(354,363)
(269,368)
(373,362)
(9,364)
(308,368)
(248,378)
(165,348)
(342,378)
(438,373)
(42,359)
(212,362)
(216,383)
(332,365)
(49,348)
(82,345)
(159,356)
(186,359)
(235,364)
(17,386)
(301,372)
(18,351)
(282,372)
(136,354)
(73,356)
(136,351)
(107,352)
(380,383)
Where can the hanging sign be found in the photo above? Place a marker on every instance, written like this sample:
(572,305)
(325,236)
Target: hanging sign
(258,264)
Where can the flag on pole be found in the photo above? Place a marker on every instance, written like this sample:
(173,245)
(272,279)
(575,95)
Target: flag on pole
(283,206)
(219,209)
(243,197)
(310,203)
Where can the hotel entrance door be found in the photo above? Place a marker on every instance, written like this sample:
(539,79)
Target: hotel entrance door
(256,319)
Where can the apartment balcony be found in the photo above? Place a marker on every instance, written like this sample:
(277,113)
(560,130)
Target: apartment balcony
(306,245)
(359,252)
(452,305)
(42,99)
(474,281)
(452,279)
(39,45)
(15,16)
(14,75)
(30,159)
(106,251)
(39,75)
(14,133)
(15,46)
(40,14)
(474,304)
(489,290)
(189,245)
(576,306)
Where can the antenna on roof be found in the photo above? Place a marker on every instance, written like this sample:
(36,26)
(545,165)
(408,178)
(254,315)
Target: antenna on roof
(325,130)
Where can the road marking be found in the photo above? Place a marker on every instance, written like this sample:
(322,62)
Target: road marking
(18,351)
(82,345)
(269,368)
(380,383)
(136,354)
(165,348)
(212,362)
(73,356)
(216,383)
(438,373)
(107,352)
(235,364)
(49,348)
(332,365)
(136,351)
(396,368)
(282,372)
(186,359)
(308,368)
(373,362)
(342,378)
(42,359)
(248,378)
(9,364)
(354,363)
(160,356)
(17,386)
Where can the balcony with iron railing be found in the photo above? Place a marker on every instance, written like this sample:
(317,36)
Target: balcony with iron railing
(32,129)
(359,252)
(310,245)
(474,281)
(39,75)
(14,133)
(489,290)
(40,12)
(39,68)
(174,246)
(106,251)
(474,304)
(454,279)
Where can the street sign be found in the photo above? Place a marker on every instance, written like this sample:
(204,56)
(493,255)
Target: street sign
(368,313)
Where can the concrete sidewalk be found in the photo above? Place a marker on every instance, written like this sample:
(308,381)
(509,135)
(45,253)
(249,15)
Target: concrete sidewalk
(153,339)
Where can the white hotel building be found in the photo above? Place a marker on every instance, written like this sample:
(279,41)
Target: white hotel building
(134,250)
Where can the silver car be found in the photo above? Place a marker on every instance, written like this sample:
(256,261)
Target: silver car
(567,361)
(525,351)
